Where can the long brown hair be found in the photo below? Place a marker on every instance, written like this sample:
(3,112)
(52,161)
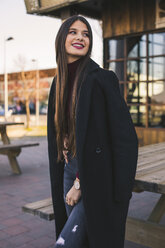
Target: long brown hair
(62,86)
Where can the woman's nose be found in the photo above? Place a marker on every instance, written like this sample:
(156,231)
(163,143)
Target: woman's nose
(79,37)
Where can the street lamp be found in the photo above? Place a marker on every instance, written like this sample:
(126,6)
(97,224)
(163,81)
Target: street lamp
(6,78)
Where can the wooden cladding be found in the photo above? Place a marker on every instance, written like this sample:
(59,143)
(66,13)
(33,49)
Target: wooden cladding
(128,16)
(148,136)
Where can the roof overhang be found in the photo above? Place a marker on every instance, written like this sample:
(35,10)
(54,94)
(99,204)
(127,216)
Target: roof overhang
(55,8)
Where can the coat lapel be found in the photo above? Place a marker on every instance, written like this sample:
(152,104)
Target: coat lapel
(82,113)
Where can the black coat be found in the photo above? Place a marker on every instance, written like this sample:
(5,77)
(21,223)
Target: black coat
(107,151)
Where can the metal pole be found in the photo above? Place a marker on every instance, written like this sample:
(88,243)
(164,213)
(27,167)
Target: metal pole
(37,92)
(5,83)
(37,96)
(6,79)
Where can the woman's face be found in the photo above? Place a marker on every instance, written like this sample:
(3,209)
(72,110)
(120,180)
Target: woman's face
(77,41)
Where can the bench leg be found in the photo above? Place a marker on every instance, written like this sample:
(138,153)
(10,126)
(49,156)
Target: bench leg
(145,233)
(5,138)
(14,164)
(158,210)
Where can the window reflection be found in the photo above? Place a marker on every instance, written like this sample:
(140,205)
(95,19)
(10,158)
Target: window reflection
(138,114)
(136,93)
(157,68)
(156,44)
(156,116)
(117,67)
(116,49)
(156,92)
(136,70)
(136,46)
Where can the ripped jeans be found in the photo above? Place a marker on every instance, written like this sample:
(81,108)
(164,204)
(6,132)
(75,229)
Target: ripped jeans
(73,234)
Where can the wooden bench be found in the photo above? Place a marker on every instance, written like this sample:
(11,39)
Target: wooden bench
(12,151)
(44,209)
(150,176)
(137,230)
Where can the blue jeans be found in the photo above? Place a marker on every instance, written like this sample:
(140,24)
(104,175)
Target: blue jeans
(73,234)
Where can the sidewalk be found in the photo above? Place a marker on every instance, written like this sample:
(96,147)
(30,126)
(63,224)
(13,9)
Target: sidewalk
(21,131)
(20,230)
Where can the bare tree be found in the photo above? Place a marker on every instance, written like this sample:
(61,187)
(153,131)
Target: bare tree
(28,83)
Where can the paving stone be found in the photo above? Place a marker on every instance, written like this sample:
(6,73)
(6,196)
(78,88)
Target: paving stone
(43,242)
(5,244)
(19,240)
(2,226)
(3,235)
(15,230)
(26,246)
(129,244)
(11,222)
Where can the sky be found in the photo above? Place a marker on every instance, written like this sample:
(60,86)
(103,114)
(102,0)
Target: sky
(34,38)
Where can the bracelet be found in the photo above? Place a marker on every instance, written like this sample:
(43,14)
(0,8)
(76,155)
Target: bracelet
(77,175)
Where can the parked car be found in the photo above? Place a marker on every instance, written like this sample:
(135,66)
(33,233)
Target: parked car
(43,109)
(2,111)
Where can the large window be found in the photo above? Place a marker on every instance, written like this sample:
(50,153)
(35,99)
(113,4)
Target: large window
(139,62)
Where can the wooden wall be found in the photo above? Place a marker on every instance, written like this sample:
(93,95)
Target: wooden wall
(148,136)
(128,16)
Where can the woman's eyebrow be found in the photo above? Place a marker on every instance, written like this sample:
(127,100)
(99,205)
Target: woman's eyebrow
(76,29)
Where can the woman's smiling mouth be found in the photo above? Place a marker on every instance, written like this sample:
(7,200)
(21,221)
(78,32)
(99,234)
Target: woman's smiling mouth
(78,46)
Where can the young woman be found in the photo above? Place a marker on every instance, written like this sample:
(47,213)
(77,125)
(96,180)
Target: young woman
(92,145)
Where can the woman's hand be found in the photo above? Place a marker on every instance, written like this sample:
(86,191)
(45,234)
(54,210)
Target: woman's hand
(66,142)
(65,155)
(66,147)
(73,196)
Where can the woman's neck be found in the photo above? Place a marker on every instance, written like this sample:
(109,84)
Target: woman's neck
(72,67)
(72,59)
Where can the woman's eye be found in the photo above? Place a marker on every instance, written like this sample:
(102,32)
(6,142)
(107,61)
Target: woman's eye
(72,32)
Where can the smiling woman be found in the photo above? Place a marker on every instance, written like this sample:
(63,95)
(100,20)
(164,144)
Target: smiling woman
(92,145)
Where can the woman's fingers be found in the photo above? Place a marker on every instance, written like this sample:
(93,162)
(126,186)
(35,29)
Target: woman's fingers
(65,155)
(73,196)
(71,202)
(66,147)
(65,152)
(66,142)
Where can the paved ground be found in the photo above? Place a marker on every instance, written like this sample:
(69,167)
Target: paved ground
(21,131)
(20,230)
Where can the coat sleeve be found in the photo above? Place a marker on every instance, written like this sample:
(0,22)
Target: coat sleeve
(55,169)
(123,138)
